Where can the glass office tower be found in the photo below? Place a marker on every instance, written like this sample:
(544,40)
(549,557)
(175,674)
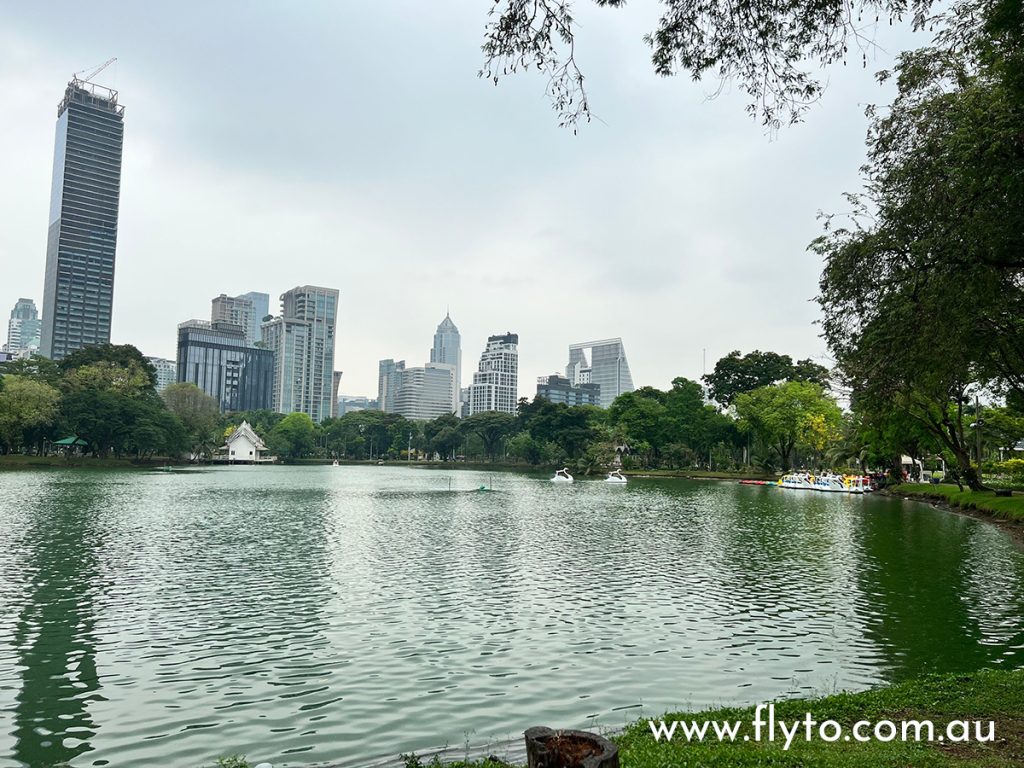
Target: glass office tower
(215,357)
(82,238)
(607,368)
(447,349)
(302,339)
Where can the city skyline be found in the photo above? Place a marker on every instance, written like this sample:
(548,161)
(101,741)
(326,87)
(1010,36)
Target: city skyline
(503,244)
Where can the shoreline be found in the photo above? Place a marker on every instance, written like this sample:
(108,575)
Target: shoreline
(1013,528)
(981,695)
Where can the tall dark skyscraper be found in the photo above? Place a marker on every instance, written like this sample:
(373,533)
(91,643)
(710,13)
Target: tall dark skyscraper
(82,238)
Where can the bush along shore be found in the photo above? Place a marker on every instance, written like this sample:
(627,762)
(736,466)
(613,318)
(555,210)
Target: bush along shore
(958,708)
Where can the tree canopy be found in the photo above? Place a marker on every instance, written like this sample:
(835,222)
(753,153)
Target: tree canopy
(769,47)
(735,374)
(923,287)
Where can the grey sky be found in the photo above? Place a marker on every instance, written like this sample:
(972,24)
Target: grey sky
(351,145)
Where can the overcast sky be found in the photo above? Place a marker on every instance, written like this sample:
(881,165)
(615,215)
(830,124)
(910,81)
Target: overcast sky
(351,145)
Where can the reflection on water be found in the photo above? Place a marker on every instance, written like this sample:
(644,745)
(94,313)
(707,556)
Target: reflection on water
(54,639)
(342,614)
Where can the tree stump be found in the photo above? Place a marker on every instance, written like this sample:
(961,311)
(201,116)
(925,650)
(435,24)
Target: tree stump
(546,748)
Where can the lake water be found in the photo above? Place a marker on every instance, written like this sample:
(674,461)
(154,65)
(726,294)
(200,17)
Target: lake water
(341,614)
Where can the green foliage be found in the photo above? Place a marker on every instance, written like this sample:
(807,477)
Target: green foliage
(523,446)
(26,407)
(735,374)
(674,428)
(233,761)
(199,415)
(492,427)
(103,395)
(36,367)
(126,368)
(923,290)
(785,416)
(1012,467)
(294,437)
(443,435)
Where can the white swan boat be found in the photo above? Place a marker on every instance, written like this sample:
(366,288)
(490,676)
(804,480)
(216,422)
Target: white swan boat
(616,478)
(562,476)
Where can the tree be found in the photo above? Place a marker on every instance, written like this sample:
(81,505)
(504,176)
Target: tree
(198,413)
(98,416)
(491,427)
(294,436)
(114,356)
(784,416)
(765,45)
(923,291)
(129,380)
(25,405)
(736,373)
(154,430)
(642,417)
(443,435)
(523,446)
(36,367)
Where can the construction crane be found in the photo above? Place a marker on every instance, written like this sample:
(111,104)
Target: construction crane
(95,72)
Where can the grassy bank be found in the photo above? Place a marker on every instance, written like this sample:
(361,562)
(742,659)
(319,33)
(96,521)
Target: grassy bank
(992,695)
(1004,508)
(19,461)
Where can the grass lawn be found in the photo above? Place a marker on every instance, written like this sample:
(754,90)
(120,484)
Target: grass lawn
(989,695)
(1005,508)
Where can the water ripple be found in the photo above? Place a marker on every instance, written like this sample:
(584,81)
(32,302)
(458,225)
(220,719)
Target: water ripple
(346,614)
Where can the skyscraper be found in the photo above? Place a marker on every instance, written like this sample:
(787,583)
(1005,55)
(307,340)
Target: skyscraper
(260,309)
(82,238)
(247,310)
(495,383)
(447,349)
(607,368)
(215,357)
(23,329)
(302,339)
(388,381)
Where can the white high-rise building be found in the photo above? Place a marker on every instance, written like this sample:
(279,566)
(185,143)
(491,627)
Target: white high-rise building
(447,349)
(496,382)
(425,393)
(23,329)
(166,371)
(607,368)
(302,339)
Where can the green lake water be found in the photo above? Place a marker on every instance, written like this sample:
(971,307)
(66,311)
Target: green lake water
(305,615)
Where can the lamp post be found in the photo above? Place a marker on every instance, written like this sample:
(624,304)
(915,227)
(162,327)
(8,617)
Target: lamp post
(408,452)
(976,425)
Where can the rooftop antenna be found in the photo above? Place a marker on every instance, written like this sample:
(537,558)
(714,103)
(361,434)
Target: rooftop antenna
(89,75)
